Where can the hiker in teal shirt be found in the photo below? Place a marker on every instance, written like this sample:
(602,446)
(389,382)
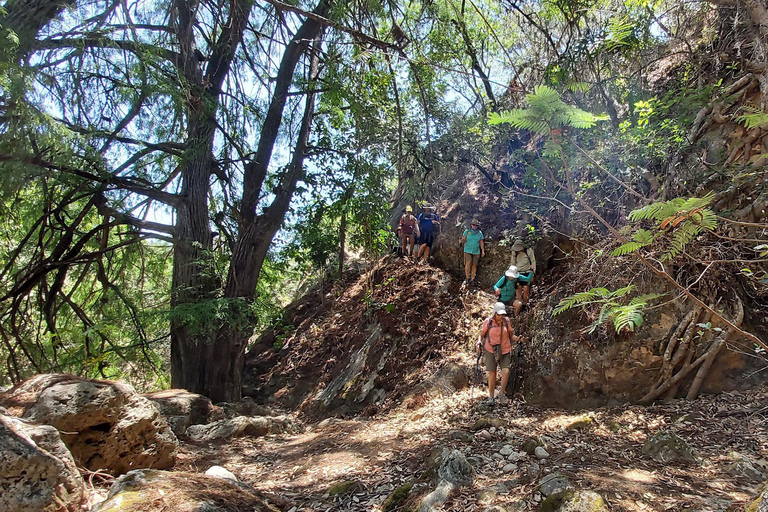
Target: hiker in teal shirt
(505,287)
(474,248)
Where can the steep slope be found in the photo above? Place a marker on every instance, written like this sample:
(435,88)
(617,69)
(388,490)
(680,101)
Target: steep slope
(398,330)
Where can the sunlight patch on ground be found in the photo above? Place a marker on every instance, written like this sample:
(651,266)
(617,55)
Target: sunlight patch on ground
(639,475)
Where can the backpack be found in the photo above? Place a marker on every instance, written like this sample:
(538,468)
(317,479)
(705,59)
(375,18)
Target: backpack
(505,323)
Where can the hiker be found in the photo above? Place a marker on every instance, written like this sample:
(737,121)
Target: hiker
(409,227)
(506,287)
(428,219)
(495,341)
(525,261)
(474,249)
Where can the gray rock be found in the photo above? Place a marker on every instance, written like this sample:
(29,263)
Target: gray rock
(517,456)
(506,450)
(241,426)
(484,435)
(540,453)
(149,490)
(509,468)
(220,472)
(494,508)
(554,483)
(455,469)
(106,425)
(745,468)
(37,472)
(462,435)
(583,501)
(534,470)
(668,447)
(182,408)
(436,498)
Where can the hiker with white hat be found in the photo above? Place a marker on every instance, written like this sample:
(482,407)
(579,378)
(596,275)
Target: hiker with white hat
(506,287)
(495,341)
(525,261)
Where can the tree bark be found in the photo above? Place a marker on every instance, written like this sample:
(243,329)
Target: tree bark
(26,18)
(199,357)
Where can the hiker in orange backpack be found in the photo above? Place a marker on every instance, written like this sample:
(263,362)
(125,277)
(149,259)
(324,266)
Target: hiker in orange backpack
(495,341)
(409,229)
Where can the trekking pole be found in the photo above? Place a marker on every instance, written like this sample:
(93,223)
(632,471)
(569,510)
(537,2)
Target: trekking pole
(475,376)
(517,367)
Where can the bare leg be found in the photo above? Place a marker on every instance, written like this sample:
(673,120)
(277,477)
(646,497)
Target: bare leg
(410,249)
(404,242)
(504,381)
(526,292)
(467,269)
(492,382)
(422,249)
(474,271)
(518,306)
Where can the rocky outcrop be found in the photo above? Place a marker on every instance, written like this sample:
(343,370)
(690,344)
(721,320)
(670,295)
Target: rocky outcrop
(37,472)
(182,408)
(668,447)
(241,426)
(149,490)
(106,425)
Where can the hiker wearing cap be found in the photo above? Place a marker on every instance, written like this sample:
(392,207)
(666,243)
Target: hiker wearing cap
(474,249)
(428,219)
(495,341)
(506,286)
(409,230)
(525,261)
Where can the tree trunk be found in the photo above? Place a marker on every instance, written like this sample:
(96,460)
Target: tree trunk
(201,357)
(26,18)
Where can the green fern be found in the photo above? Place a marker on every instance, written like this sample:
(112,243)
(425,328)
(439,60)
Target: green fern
(624,316)
(546,112)
(754,118)
(682,219)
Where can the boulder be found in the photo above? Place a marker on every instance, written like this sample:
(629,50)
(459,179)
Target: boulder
(744,468)
(106,425)
(453,472)
(554,483)
(574,501)
(668,447)
(182,408)
(37,472)
(241,426)
(150,490)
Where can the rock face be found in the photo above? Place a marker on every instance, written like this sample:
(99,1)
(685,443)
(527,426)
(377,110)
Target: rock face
(37,472)
(149,490)
(106,425)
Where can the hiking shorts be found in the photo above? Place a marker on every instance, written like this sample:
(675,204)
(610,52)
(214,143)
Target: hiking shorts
(471,258)
(426,238)
(490,361)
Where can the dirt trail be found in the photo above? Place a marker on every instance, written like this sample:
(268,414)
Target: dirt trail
(604,455)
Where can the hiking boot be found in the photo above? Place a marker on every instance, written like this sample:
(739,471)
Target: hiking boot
(502,399)
(490,402)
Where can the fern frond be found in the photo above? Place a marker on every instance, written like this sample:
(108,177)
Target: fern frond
(627,317)
(581,87)
(582,119)
(626,248)
(643,236)
(621,291)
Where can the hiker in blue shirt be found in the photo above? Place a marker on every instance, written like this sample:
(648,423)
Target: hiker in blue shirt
(428,219)
(474,249)
(506,286)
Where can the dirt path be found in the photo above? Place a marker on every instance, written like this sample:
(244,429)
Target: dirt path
(604,454)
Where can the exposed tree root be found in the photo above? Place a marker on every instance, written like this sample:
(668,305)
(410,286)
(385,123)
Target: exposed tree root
(685,351)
